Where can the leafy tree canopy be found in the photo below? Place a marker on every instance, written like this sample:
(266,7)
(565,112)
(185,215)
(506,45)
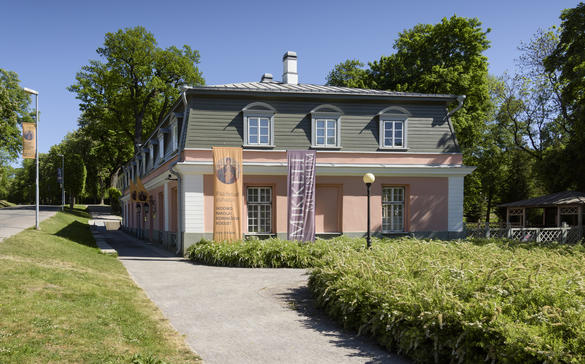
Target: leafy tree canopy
(130,89)
(568,60)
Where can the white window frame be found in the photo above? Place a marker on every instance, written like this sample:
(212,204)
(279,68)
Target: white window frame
(150,155)
(393,118)
(392,203)
(251,114)
(267,205)
(174,136)
(161,145)
(326,116)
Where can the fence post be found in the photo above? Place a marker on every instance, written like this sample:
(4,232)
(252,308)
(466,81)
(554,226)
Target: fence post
(538,237)
(564,232)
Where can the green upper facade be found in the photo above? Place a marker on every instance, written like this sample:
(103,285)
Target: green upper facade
(330,119)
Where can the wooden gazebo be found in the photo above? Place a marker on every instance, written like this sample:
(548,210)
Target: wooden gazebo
(561,208)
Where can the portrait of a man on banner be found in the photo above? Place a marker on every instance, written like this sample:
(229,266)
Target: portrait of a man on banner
(227,193)
(29,142)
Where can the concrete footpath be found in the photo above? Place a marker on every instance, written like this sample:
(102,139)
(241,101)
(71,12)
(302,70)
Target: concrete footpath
(240,315)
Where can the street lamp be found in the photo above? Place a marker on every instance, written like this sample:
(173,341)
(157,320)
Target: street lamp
(369,178)
(36,93)
(62,182)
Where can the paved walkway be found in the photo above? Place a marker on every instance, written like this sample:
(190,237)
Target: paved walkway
(17,218)
(240,315)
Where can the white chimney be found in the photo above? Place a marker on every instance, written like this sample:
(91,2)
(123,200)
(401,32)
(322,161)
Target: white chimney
(289,72)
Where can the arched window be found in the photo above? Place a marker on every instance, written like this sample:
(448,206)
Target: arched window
(393,127)
(326,126)
(258,125)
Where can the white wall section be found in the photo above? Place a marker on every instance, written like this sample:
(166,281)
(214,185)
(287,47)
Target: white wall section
(455,220)
(193,203)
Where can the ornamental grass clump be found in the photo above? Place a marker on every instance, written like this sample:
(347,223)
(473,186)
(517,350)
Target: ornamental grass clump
(460,302)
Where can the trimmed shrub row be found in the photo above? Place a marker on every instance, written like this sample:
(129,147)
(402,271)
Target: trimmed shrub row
(460,302)
(269,253)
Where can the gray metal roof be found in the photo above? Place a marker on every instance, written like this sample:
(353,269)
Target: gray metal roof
(279,87)
(559,198)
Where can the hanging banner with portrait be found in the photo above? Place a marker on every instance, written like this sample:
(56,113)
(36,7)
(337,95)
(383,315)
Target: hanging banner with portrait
(227,193)
(301,195)
(141,192)
(29,131)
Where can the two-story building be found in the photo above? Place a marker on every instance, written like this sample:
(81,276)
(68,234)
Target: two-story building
(405,139)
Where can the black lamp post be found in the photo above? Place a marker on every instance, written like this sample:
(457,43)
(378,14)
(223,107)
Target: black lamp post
(369,178)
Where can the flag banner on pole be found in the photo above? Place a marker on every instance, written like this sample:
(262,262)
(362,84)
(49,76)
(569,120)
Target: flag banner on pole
(59,176)
(227,193)
(301,195)
(141,192)
(29,149)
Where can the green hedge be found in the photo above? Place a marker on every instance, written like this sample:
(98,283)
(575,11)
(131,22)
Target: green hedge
(269,253)
(461,302)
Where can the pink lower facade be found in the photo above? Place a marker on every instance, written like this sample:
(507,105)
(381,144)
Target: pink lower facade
(420,195)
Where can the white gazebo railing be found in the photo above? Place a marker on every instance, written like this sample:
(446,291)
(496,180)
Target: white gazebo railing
(565,234)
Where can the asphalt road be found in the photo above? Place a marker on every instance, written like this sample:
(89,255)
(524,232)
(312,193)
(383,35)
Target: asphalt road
(240,315)
(17,218)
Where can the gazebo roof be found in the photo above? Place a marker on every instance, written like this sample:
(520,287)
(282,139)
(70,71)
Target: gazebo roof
(554,199)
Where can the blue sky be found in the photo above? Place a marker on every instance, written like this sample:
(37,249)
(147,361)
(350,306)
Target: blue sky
(47,42)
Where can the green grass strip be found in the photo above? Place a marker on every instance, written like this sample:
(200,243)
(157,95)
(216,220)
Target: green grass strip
(62,301)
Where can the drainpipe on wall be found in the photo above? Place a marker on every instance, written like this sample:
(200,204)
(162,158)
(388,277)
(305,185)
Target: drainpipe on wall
(179,205)
(178,175)
(460,100)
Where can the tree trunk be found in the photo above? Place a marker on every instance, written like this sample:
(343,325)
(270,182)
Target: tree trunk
(102,200)
(138,132)
(114,177)
(72,205)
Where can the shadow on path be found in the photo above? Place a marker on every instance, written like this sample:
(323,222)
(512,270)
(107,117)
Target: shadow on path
(314,318)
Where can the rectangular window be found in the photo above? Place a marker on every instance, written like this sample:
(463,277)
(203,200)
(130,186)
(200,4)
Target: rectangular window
(393,133)
(326,130)
(259,210)
(258,131)
(392,209)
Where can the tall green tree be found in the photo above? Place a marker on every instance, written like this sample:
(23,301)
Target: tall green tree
(568,59)
(76,174)
(13,109)
(131,87)
(445,58)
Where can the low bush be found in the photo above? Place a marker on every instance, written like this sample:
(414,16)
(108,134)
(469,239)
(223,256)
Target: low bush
(460,301)
(269,253)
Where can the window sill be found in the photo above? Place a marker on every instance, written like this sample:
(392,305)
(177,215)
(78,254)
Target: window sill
(392,149)
(259,146)
(325,148)
(259,236)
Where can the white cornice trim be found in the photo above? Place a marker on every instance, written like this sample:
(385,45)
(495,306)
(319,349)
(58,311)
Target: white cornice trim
(344,151)
(337,169)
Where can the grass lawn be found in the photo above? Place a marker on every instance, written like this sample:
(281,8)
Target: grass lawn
(63,301)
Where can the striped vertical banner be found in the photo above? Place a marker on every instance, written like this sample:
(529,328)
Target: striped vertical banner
(301,195)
